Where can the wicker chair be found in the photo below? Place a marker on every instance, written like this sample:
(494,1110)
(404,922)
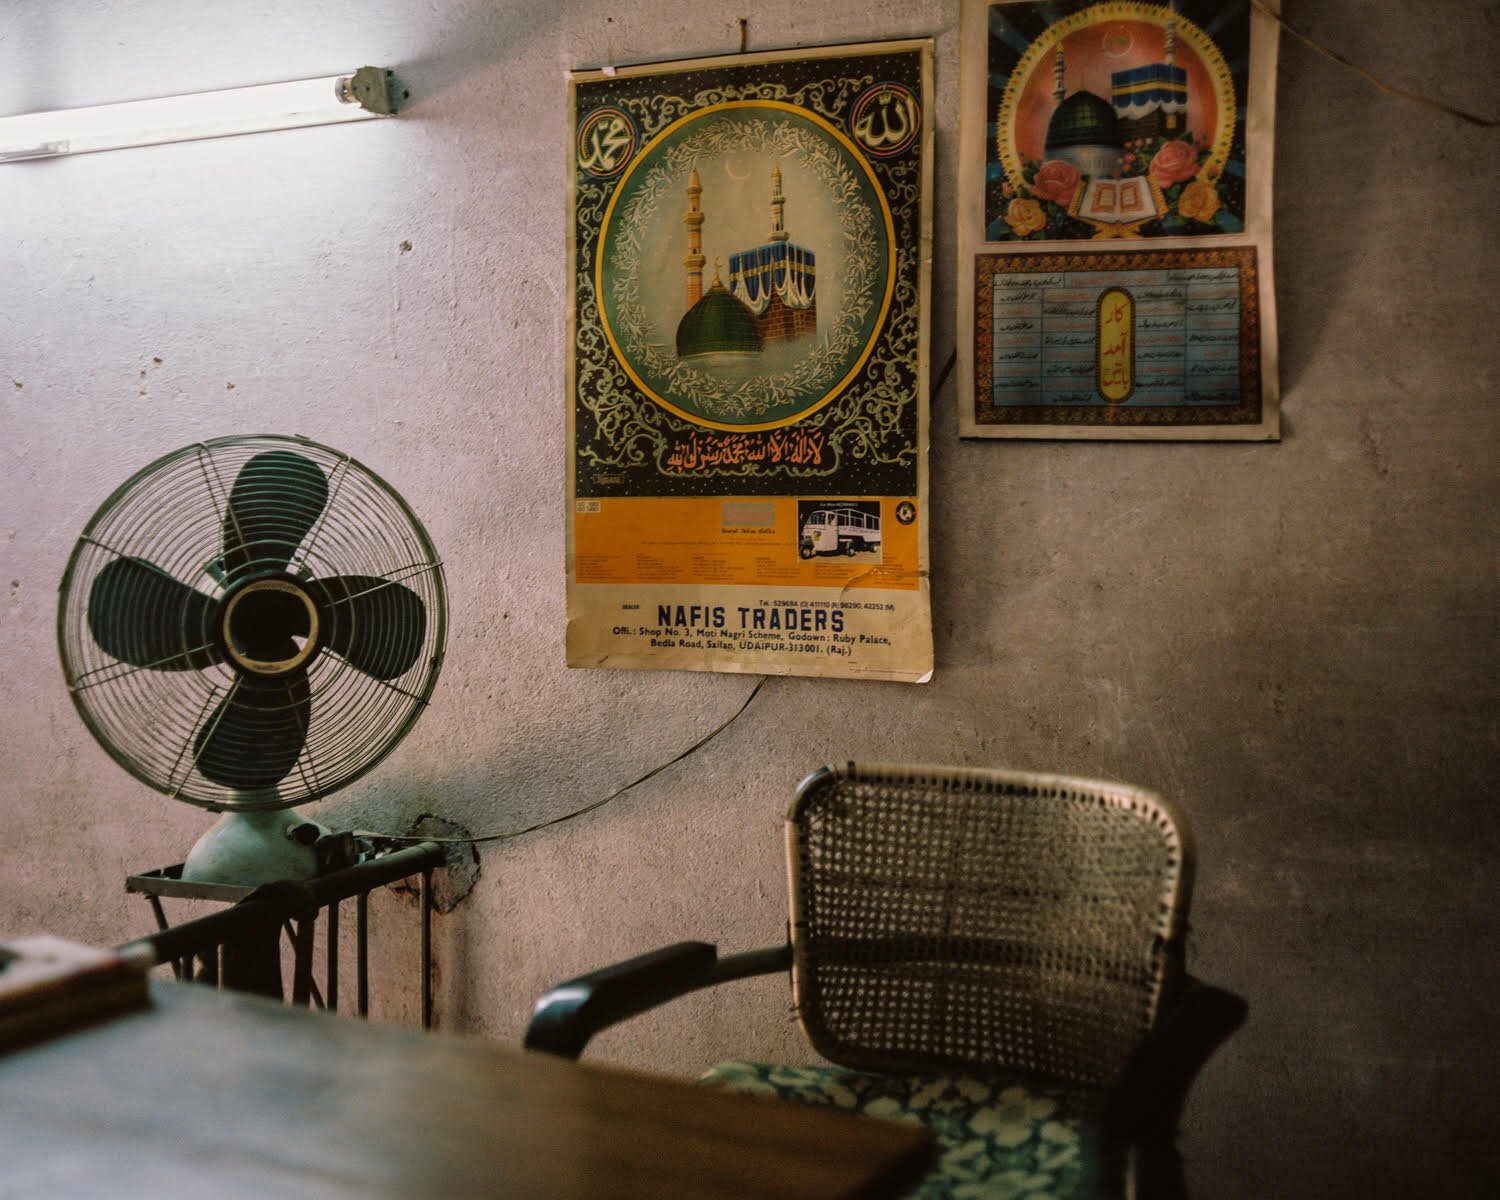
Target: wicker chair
(996,954)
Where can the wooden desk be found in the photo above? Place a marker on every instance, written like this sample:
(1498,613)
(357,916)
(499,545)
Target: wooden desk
(219,1094)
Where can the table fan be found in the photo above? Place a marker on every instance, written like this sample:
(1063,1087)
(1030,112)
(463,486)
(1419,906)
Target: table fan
(248,624)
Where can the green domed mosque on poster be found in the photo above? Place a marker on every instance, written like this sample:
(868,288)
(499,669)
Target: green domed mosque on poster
(772,295)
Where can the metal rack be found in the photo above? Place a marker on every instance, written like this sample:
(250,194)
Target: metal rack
(211,949)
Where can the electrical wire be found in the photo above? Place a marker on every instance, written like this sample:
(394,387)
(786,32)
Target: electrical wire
(943,374)
(587,808)
(1471,118)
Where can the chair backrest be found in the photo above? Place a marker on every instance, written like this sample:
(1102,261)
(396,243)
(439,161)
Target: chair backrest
(957,918)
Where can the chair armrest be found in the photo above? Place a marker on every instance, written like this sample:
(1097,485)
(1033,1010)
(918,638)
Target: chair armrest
(571,1013)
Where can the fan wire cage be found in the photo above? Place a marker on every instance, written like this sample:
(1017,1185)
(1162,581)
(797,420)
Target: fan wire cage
(252,622)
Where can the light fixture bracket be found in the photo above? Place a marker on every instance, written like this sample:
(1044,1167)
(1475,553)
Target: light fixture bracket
(372,88)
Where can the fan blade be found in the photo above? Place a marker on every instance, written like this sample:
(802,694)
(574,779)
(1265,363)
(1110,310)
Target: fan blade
(276,499)
(143,616)
(256,734)
(377,625)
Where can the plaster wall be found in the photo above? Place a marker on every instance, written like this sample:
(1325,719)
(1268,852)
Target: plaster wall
(1296,642)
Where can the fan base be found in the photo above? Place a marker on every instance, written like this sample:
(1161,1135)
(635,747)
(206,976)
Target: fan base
(252,848)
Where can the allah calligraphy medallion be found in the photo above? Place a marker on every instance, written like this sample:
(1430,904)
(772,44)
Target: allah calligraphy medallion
(886,119)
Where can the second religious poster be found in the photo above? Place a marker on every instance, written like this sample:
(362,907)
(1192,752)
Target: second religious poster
(1114,221)
(749,249)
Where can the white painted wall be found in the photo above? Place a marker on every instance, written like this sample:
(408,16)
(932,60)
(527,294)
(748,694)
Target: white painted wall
(1297,642)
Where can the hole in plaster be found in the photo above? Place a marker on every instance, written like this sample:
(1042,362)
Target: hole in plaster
(452,885)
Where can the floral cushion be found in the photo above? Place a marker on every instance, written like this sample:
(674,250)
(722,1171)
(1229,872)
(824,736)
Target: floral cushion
(997,1138)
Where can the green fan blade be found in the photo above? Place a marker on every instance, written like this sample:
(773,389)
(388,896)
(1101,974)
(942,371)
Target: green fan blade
(255,736)
(376,625)
(276,499)
(143,616)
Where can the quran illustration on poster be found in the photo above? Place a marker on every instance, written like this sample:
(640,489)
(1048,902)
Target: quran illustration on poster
(1114,221)
(749,244)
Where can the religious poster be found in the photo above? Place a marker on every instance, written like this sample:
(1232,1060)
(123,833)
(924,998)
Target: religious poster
(1114,220)
(748,262)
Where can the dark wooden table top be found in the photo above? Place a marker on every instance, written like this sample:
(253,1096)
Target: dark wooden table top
(220,1095)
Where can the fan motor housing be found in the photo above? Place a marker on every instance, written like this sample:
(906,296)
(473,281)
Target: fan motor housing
(258,620)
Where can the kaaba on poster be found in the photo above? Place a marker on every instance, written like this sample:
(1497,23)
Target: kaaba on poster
(747,379)
(1115,220)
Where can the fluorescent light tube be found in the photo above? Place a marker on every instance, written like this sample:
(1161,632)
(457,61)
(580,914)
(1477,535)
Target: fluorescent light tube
(356,97)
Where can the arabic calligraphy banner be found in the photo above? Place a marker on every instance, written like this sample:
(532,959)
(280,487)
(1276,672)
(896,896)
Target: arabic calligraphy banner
(748,264)
(1114,221)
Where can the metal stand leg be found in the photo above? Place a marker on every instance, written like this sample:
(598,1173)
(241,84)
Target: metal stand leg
(301,935)
(182,968)
(362,953)
(427,948)
(333,957)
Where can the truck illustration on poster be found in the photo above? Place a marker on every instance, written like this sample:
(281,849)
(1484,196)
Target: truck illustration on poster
(748,272)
